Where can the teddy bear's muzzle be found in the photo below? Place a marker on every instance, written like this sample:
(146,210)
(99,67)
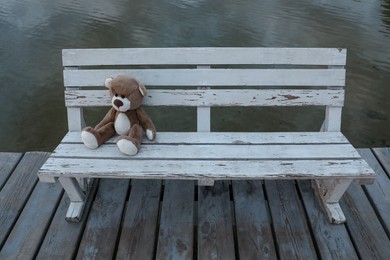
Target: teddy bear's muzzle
(118,103)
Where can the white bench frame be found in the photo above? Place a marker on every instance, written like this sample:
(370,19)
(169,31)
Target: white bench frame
(261,77)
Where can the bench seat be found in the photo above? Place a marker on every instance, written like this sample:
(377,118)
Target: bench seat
(214,156)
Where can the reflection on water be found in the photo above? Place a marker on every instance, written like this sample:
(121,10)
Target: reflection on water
(34,32)
(385,16)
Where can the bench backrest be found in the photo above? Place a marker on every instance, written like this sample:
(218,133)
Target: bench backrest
(196,77)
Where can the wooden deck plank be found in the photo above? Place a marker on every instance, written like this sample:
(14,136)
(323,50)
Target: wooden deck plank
(383,156)
(332,241)
(366,231)
(291,229)
(379,192)
(137,240)
(35,218)
(253,223)
(366,223)
(17,189)
(8,162)
(104,220)
(215,232)
(62,238)
(176,233)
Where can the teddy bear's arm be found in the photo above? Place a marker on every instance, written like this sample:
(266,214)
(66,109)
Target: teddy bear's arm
(109,117)
(146,124)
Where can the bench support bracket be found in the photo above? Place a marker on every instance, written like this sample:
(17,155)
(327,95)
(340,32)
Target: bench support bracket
(206,182)
(329,193)
(80,193)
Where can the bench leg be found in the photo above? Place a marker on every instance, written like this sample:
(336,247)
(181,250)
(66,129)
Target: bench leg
(83,182)
(80,196)
(329,193)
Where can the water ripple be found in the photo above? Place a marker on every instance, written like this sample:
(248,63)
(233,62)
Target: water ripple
(34,32)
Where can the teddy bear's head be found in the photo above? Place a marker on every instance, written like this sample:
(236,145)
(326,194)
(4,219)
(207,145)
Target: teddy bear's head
(126,93)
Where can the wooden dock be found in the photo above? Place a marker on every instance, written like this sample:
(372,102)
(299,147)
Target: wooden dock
(148,219)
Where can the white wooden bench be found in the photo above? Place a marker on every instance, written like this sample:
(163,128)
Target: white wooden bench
(196,77)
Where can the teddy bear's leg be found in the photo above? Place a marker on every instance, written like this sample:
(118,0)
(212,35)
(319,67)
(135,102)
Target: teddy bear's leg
(131,144)
(94,138)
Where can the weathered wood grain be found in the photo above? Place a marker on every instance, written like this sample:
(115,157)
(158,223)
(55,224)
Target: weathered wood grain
(383,157)
(77,209)
(72,187)
(332,241)
(215,98)
(17,189)
(379,192)
(214,169)
(222,152)
(176,233)
(8,162)
(203,113)
(35,218)
(367,233)
(211,77)
(62,238)
(204,56)
(254,232)
(215,227)
(329,191)
(332,121)
(232,138)
(137,240)
(289,222)
(75,118)
(104,220)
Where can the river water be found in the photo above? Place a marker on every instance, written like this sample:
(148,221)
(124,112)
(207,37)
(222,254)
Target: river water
(33,33)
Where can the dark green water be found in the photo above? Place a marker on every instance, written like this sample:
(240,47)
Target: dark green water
(33,33)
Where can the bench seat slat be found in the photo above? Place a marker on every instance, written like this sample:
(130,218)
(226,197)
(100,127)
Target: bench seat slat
(233,138)
(212,151)
(261,97)
(211,77)
(175,169)
(204,56)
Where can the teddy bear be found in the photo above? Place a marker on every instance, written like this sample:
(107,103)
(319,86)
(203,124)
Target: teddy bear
(126,117)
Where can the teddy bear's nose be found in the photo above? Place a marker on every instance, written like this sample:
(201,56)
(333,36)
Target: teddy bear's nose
(118,103)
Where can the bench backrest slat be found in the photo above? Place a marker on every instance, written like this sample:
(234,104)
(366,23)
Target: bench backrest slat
(214,97)
(212,77)
(209,77)
(204,56)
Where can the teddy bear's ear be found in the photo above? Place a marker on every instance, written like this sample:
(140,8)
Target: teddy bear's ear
(142,89)
(107,82)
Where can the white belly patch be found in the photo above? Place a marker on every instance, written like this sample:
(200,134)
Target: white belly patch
(122,124)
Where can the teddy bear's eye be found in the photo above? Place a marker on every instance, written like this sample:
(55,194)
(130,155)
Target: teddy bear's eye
(116,95)
(122,96)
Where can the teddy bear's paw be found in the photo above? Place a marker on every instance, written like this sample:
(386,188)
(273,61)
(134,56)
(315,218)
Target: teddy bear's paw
(127,147)
(150,134)
(89,140)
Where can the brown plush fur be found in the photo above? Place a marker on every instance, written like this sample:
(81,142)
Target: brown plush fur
(121,88)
